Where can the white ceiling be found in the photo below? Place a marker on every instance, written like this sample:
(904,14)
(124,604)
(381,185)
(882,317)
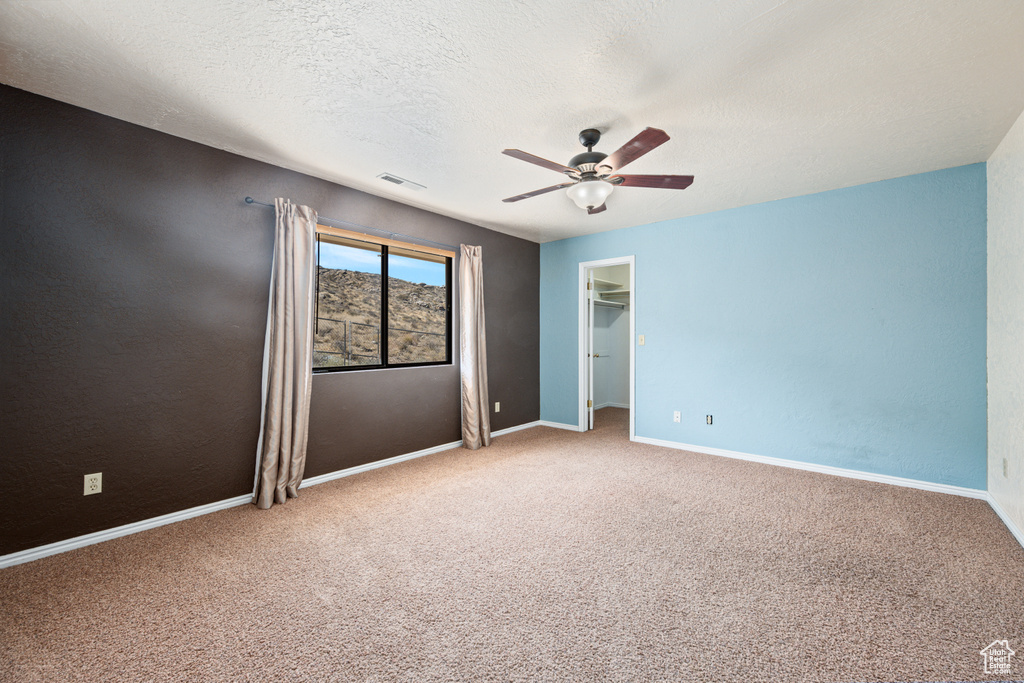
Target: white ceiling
(763,99)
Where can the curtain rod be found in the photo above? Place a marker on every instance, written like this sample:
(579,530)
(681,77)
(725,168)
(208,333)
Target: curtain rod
(383,233)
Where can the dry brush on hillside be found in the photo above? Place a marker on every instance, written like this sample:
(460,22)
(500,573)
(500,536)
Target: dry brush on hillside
(348,326)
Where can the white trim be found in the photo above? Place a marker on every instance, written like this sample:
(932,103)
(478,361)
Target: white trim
(23,556)
(583,418)
(39,552)
(124,530)
(559,425)
(509,430)
(1017,532)
(331,476)
(582,348)
(612,404)
(823,469)
(632,347)
(349,471)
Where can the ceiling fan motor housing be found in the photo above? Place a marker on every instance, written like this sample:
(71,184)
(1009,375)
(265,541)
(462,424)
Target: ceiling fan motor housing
(587,162)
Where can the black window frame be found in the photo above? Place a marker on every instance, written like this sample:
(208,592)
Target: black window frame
(384,336)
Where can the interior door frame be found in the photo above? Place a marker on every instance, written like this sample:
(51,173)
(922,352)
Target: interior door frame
(586,266)
(591,307)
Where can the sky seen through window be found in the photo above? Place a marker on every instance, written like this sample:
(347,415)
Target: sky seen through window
(363,261)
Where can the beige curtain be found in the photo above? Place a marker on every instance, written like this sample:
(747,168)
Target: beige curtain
(476,418)
(287,357)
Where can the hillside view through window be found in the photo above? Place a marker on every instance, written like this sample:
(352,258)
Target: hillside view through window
(349,306)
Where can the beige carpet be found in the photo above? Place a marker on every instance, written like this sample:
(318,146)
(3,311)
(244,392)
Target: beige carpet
(550,556)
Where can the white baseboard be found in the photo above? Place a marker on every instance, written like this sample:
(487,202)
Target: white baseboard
(558,425)
(980,494)
(108,534)
(823,469)
(612,405)
(23,556)
(135,527)
(1017,532)
(348,472)
(331,476)
(509,430)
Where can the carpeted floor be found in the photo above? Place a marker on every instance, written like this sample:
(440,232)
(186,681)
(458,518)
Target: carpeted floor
(550,556)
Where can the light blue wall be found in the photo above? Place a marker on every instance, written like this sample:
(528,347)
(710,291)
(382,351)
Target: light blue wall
(845,328)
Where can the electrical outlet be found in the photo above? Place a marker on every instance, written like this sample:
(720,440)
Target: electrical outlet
(497,406)
(676,416)
(93,484)
(1006,468)
(640,340)
(709,419)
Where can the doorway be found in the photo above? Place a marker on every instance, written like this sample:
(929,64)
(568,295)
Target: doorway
(607,325)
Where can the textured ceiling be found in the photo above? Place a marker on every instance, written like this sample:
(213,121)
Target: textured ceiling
(763,99)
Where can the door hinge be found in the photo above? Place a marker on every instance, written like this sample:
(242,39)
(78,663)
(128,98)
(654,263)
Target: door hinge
(590,404)
(590,285)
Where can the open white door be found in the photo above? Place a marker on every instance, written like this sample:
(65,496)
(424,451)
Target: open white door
(590,349)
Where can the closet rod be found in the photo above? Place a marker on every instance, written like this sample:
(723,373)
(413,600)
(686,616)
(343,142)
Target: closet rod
(367,229)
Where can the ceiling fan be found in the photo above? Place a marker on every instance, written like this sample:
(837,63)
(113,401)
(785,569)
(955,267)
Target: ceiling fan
(594,175)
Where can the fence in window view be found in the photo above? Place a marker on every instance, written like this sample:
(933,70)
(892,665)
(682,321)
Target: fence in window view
(342,343)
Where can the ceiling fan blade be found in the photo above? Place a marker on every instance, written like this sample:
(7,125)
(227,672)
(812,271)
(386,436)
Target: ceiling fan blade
(537,192)
(667,182)
(526,156)
(644,142)
(599,209)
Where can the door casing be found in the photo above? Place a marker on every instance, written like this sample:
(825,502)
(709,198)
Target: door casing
(584,332)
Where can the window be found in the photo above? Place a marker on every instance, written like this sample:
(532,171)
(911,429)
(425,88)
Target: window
(361,324)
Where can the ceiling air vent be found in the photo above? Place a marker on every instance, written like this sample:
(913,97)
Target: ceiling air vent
(391,178)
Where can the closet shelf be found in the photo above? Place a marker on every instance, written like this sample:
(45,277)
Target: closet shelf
(605,284)
(612,304)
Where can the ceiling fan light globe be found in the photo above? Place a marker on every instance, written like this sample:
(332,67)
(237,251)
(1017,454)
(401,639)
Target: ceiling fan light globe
(590,194)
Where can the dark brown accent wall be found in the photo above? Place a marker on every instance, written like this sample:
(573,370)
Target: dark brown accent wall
(134,304)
